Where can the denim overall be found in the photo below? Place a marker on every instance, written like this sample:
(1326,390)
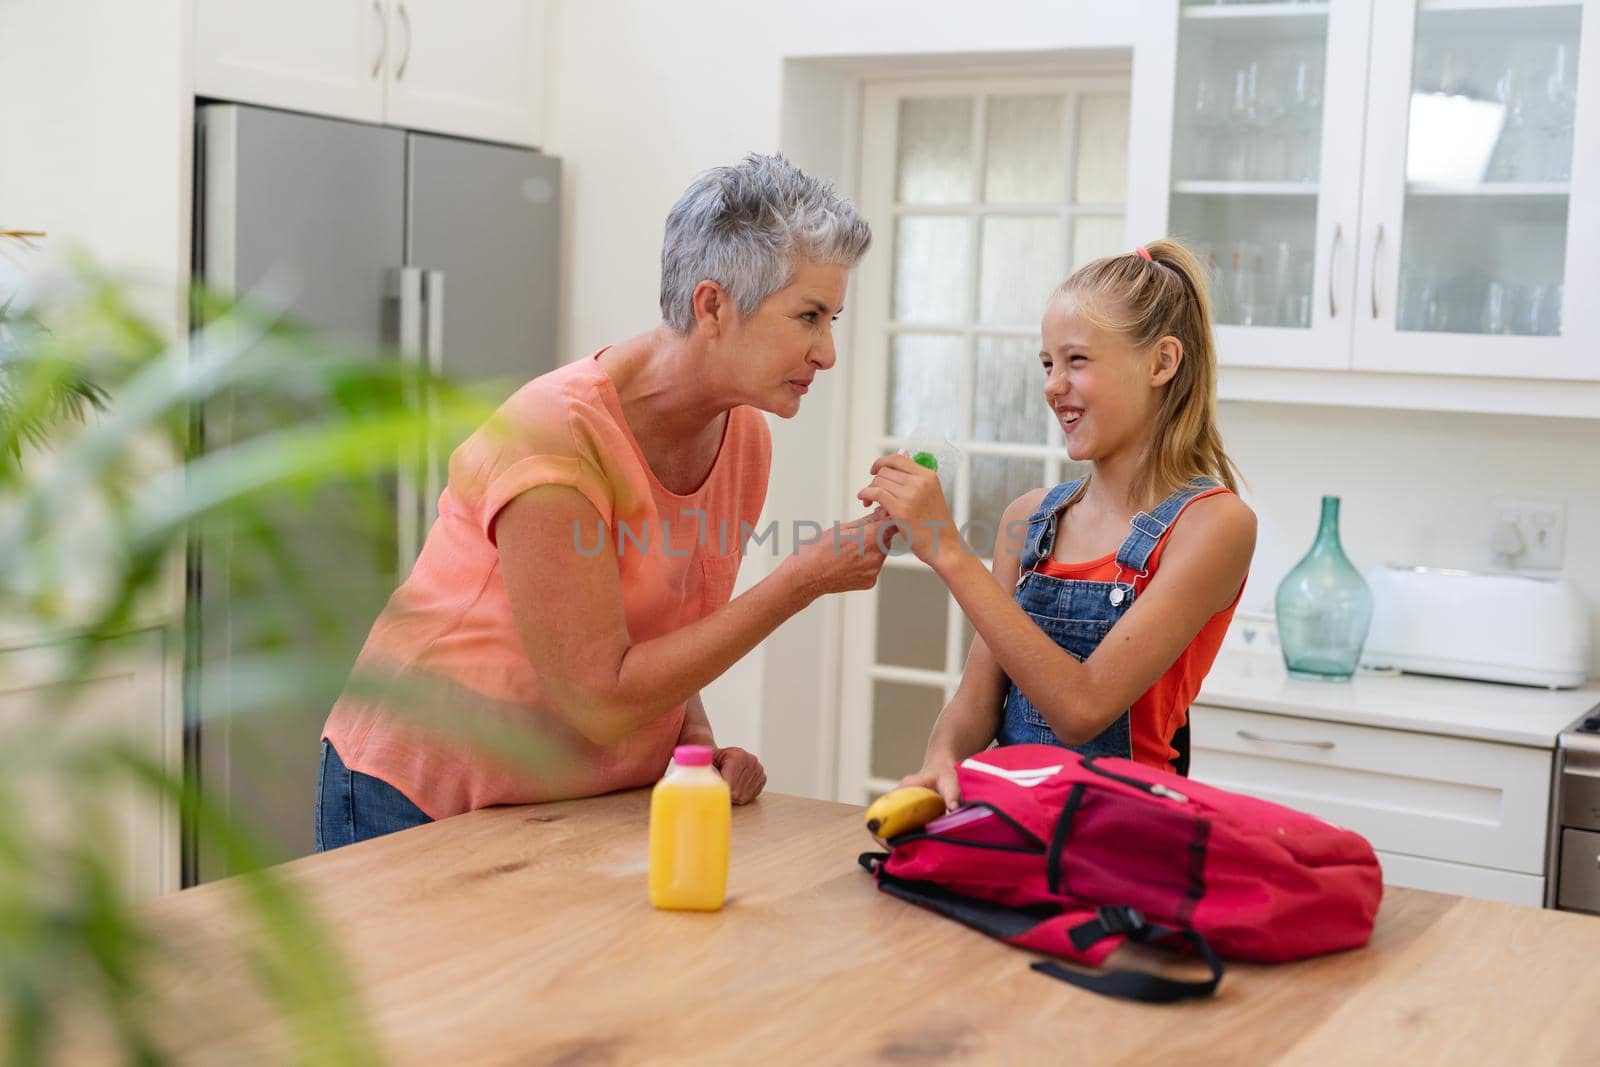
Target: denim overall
(1078,614)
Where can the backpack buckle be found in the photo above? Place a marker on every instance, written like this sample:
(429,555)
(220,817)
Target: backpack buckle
(1121,920)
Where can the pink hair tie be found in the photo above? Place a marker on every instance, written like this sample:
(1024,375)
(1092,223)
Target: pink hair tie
(1144,254)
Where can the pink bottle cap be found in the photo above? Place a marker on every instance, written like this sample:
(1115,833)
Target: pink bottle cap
(692,755)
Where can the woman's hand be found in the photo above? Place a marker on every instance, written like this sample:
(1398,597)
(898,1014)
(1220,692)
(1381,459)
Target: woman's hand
(742,771)
(939,774)
(912,496)
(842,561)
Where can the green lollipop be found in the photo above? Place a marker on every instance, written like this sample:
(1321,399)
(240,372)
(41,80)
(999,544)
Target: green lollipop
(926,459)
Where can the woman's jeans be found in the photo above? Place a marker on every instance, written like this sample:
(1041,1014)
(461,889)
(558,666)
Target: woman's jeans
(352,806)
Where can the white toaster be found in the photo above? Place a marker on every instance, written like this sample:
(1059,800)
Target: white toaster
(1496,627)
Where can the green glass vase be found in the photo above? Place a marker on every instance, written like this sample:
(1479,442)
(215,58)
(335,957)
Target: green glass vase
(1324,607)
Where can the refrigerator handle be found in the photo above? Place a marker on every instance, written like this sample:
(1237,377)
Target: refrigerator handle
(408,288)
(433,317)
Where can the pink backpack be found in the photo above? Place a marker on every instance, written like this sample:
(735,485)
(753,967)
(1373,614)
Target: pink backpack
(1074,855)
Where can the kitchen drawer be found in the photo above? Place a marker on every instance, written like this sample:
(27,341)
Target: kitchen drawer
(1442,798)
(1484,883)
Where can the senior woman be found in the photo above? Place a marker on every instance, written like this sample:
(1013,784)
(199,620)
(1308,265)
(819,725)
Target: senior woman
(577,582)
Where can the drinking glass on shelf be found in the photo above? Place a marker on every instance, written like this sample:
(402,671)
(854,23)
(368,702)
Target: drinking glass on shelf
(1305,279)
(1496,308)
(1208,123)
(1425,68)
(1519,299)
(1556,110)
(1448,305)
(1449,76)
(1466,298)
(1243,116)
(1261,312)
(1222,310)
(1549,321)
(1405,317)
(1304,112)
(1432,301)
(1424,299)
(1281,285)
(1227,303)
(1245,283)
(1509,161)
(1416,292)
(1273,123)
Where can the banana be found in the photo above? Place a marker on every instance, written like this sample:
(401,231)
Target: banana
(903,810)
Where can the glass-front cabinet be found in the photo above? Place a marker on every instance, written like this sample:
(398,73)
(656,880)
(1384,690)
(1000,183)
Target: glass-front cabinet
(1383,185)
(1481,204)
(1266,120)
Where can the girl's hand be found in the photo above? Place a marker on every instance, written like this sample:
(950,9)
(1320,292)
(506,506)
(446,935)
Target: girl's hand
(742,771)
(938,774)
(913,498)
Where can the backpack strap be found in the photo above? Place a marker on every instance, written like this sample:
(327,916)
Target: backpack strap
(1006,922)
(1134,985)
(996,920)
(1180,744)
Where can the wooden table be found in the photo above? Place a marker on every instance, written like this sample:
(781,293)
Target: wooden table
(523,936)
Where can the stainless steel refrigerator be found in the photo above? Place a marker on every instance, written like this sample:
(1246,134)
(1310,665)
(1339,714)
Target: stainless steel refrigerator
(403,245)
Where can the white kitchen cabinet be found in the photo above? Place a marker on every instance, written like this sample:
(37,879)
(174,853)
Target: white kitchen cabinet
(472,70)
(322,56)
(1445,813)
(1388,189)
(126,698)
(1480,209)
(1260,109)
(477,75)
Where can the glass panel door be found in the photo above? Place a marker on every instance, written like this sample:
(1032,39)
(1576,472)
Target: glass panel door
(1468,261)
(1264,172)
(986,195)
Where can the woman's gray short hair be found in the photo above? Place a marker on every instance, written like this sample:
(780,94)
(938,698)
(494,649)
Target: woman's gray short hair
(745,226)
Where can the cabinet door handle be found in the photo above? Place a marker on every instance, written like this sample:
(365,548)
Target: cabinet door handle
(1249,736)
(1333,260)
(1377,261)
(405,56)
(383,40)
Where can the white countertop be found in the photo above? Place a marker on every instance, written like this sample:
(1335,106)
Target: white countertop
(1487,711)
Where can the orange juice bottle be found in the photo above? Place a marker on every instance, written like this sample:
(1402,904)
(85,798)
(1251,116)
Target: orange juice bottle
(690,819)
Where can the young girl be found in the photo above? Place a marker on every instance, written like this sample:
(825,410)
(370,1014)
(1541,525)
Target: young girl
(1111,593)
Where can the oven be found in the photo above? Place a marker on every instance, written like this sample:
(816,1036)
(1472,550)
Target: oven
(1574,878)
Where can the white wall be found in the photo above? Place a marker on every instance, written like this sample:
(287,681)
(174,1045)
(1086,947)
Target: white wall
(95,148)
(96,115)
(95,136)
(641,97)
(1415,486)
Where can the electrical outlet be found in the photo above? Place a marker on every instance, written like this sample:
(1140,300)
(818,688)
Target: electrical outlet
(1541,526)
